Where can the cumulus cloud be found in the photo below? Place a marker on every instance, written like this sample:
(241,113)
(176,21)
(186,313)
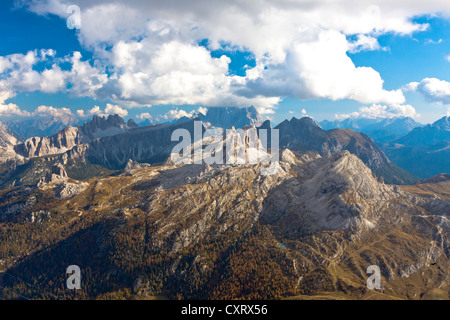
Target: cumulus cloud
(109,109)
(11,109)
(49,110)
(433,89)
(177,113)
(18,74)
(365,43)
(381,111)
(94,111)
(115,109)
(151,50)
(144,116)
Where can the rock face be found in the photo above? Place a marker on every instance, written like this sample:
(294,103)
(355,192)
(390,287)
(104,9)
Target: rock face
(7,138)
(134,165)
(58,180)
(61,142)
(7,142)
(57,175)
(146,145)
(69,137)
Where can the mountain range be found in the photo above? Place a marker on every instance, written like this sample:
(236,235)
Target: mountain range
(107,197)
(379,129)
(425,151)
(40,125)
(110,143)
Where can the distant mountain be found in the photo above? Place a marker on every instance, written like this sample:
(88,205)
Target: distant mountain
(227,117)
(305,134)
(379,129)
(146,123)
(443,123)
(437,132)
(424,151)
(436,179)
(349,123)
(41,126)
(7,137)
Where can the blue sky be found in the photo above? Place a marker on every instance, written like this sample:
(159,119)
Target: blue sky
(217,65)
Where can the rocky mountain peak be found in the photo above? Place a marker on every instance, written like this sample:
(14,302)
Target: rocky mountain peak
(57,174)
(101,126)
(443,123)
(226,117)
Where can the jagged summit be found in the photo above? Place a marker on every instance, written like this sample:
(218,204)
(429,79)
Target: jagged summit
(100,126)
(443,123)
(226,117)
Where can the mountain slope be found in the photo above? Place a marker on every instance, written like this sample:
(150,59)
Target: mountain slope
(226,232)
(304,135)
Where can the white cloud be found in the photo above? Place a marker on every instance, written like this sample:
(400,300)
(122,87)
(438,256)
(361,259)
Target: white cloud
(320,68)
(447,58)
(365,43)
(300,48)
(434,90)
(11,109)
(95,110)
(431,41)
(115,109)
(18,74)
(56,112)
(177,113)
(144,115)
(381,111)
(109,109)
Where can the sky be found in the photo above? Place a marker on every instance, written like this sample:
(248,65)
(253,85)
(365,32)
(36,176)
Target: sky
(161,60)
